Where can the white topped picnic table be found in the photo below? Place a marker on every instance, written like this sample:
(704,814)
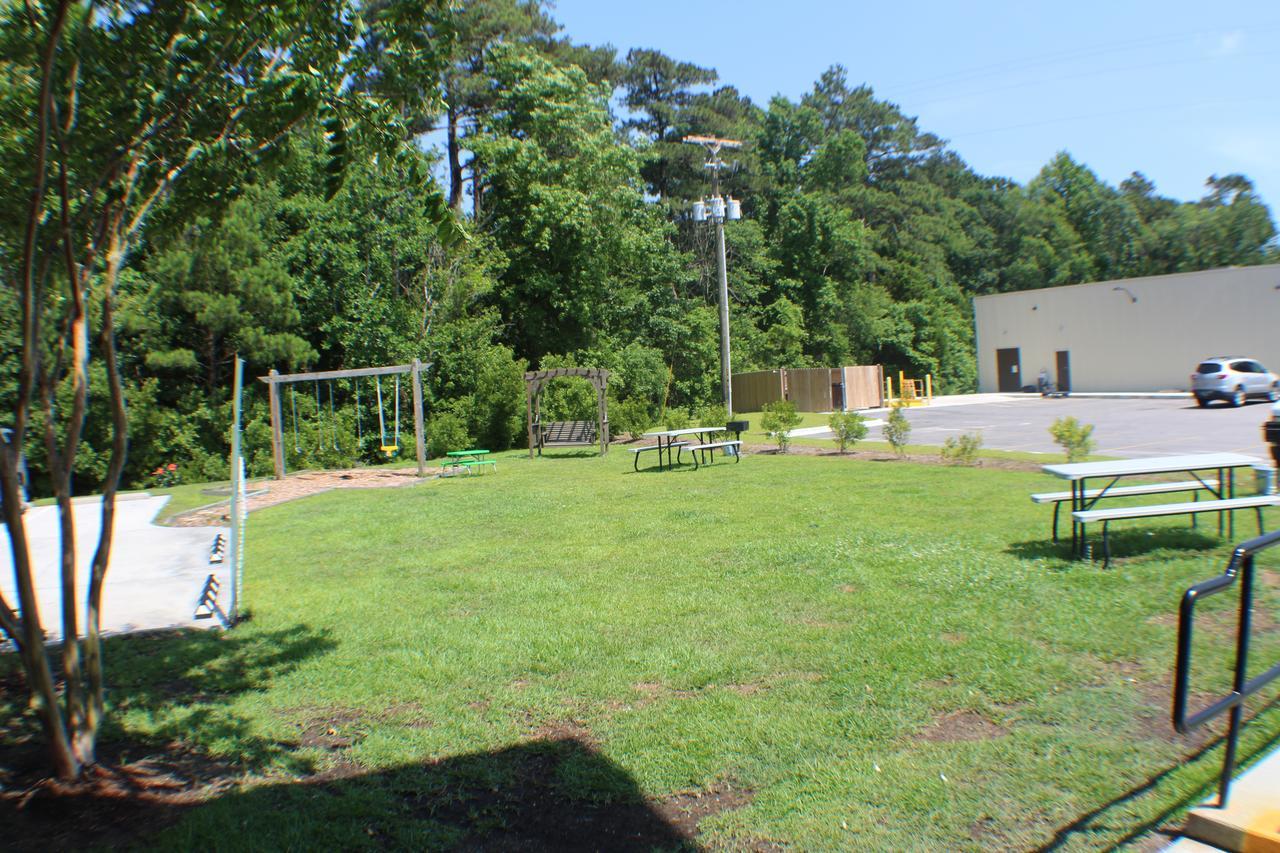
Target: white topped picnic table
(1151,465)
(671,436)
(1080,472)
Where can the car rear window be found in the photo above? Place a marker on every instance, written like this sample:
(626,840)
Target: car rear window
(1209,367)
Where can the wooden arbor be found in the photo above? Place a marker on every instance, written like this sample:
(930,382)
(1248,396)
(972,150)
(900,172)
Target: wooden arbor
(566,433)
(274,380)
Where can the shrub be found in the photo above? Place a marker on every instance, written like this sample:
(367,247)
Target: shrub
(630,416)
(676,419)
(780,418)
(849,427)
(962,449)
(446,431)
(1073,437)
(713,415)
(897,430)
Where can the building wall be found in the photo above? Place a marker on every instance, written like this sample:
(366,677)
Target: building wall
(1117,344)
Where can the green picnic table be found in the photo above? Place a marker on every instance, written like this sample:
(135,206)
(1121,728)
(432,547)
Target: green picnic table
(472,459)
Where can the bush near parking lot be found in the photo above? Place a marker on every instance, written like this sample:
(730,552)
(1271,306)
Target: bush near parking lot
(779,419)
(1073,437)
(962,449)
(849,427)
(897,430)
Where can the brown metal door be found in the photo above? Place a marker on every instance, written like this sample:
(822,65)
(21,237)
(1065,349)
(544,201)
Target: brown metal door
(1008,370)
(1064,371)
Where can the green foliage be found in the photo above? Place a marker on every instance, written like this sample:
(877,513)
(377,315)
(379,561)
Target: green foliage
(630,417)
(713,414)
(779,418)
(897,430)
(849,428)
(676,418)
(1075,438)
(962,449)
(445,432)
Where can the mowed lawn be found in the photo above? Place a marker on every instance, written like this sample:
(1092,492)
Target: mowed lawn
(800,651)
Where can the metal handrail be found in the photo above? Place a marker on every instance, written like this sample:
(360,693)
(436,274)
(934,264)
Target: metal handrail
(1239,567)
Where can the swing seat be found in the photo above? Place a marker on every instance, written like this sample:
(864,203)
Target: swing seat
(390,449)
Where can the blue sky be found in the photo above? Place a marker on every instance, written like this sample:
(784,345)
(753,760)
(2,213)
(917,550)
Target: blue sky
(1178,90)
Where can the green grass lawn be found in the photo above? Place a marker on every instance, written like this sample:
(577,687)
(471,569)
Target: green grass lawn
(871,655)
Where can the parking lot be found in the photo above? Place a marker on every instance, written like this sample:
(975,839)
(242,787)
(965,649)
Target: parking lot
(1123,427)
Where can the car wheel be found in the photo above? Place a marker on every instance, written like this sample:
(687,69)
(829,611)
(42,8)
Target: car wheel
(1202,401)
(1238,396)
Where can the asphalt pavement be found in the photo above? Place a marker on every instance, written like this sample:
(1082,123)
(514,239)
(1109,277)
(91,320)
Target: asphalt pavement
(1123,426)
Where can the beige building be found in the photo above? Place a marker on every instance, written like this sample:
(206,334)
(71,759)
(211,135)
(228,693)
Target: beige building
(1134,334)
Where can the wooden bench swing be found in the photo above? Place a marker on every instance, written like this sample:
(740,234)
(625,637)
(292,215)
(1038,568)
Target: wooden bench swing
(566,433)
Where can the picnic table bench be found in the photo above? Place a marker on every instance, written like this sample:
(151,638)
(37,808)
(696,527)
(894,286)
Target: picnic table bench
(1192,508)
(1083,499)
(698,440)
(711,447)
(1059,498)
(471,460)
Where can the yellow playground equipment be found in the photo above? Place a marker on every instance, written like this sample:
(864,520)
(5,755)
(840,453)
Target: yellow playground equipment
(911,392)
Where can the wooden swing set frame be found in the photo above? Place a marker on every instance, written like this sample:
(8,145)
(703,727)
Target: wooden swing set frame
(275,380)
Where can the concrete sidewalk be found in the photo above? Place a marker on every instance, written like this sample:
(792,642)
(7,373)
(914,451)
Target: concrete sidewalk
(154,578)
(1251,820)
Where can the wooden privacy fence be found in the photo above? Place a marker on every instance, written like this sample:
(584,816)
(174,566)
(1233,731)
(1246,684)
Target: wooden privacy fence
(812,389)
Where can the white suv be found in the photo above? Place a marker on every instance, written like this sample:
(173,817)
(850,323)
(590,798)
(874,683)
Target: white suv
(1233,379)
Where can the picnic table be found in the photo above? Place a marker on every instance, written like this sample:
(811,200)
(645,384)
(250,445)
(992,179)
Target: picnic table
(698,440)
(1083,499)
(471,459)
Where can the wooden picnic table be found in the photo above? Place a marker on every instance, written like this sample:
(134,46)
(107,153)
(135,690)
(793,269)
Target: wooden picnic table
(1113,471)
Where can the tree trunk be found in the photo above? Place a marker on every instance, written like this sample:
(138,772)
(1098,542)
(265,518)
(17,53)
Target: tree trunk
(455,161)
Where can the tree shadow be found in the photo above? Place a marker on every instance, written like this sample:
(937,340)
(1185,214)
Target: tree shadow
(558,794)
(183,683)
(1115,821)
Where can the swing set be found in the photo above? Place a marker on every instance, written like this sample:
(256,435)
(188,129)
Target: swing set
(391,447)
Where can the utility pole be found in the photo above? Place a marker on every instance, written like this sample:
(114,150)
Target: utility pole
(719,209)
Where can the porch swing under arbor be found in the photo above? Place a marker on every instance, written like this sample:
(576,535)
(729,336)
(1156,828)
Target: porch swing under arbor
(566,433)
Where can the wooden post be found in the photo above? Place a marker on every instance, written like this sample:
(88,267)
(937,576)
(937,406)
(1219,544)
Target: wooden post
(528,406)
(604,419)
(419,435)
(277,434)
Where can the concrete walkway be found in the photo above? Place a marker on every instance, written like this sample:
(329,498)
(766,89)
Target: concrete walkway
(154,578)
(1251,820)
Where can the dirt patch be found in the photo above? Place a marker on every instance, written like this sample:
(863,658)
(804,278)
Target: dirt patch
(961,726)
(952,638)
(301,485)
(115,803)
(888,456)
(685,811)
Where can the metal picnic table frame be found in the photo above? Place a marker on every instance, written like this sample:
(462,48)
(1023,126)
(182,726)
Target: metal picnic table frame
(671,436)
(1079,473)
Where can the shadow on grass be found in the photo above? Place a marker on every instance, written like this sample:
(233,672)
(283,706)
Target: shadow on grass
(544,795)
(1112,820)
(1124,543)
(183,684)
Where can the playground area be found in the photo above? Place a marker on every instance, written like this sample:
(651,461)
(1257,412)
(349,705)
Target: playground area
(868,654)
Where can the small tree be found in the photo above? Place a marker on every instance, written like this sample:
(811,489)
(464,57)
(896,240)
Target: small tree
(849,427)
(1073,437)
(962,449)
(897,430)
(713,415)
(780,418)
